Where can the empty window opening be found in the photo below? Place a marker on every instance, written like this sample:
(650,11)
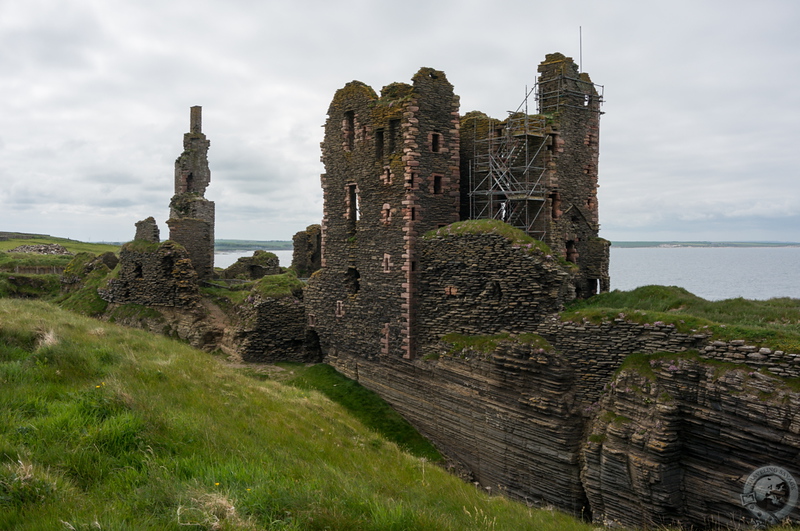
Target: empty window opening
(339,311)
(387,175)
(436,142)
(352,280)
(394,130)
(437,184)
(349,129)
(387,263)
(451,291)
(351,200)
(312,320)
(413,214)
(379,144)
(572,252)
(493,291)
(137,271)
(385,339)
(555,205)
(168,264)
(190,182)
(593,286)
(411,181)
(386,214)
(413,265)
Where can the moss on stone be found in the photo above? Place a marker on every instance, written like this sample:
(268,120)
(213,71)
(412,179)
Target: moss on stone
(461,342)
(278,286)
(140,246)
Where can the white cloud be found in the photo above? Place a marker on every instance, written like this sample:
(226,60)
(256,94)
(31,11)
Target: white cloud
(699,133)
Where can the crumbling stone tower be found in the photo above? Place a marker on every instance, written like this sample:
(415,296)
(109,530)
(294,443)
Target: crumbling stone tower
(191,220)
(392,174)
(539,172)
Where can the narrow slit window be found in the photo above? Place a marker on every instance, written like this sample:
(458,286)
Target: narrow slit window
(352,208)
(436,142)
(379,144)
(349,129)
(411,181)
(394,130)
(437,184)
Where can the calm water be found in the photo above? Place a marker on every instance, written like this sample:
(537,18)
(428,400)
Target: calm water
(713,273)
(226,259)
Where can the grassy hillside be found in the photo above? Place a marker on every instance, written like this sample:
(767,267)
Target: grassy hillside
(72,246)
(111,428)
(774,323)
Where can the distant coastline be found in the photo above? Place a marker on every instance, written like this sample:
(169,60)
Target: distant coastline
(703,244)
(228,245)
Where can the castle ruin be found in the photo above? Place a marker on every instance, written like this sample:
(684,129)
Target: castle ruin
(191,221)
(398,166)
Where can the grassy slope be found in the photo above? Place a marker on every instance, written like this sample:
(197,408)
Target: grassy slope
(112,428)
(71,245)
(773,323)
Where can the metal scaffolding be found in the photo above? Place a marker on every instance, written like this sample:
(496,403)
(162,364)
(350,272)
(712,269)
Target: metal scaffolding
(507,174)
(507,171)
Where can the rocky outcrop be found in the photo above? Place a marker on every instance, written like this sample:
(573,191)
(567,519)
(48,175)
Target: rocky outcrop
(270,329)
(307,250)
(262,263)
(508,416)
(41,248)
(153,275)
(675,440)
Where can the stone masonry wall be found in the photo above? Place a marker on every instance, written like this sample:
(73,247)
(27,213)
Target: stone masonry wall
(597,351)
(153,275)
(307,250)
(480,284)
(391,174)
(270,329)
(191,220)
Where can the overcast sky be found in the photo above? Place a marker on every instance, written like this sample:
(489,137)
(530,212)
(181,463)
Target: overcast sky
(700,139)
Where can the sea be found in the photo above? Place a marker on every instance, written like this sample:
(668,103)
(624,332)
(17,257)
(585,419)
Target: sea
(713,273)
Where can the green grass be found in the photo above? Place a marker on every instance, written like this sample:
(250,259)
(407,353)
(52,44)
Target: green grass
(72,246)
(277,286)
(113,428)
(488,343)
(773,323)
(364,405)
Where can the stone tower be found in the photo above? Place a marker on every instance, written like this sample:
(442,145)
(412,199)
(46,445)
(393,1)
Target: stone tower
(392,174)
(191,221)
(538,172)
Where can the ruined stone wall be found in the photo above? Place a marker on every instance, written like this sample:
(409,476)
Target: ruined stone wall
(597,351)
(191,220)
(549,159)
(153,275)
(391,174)
(569,98)
(147,230)
(271,329)
(479,284)
(197,237)
(262,263)
(307,250)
